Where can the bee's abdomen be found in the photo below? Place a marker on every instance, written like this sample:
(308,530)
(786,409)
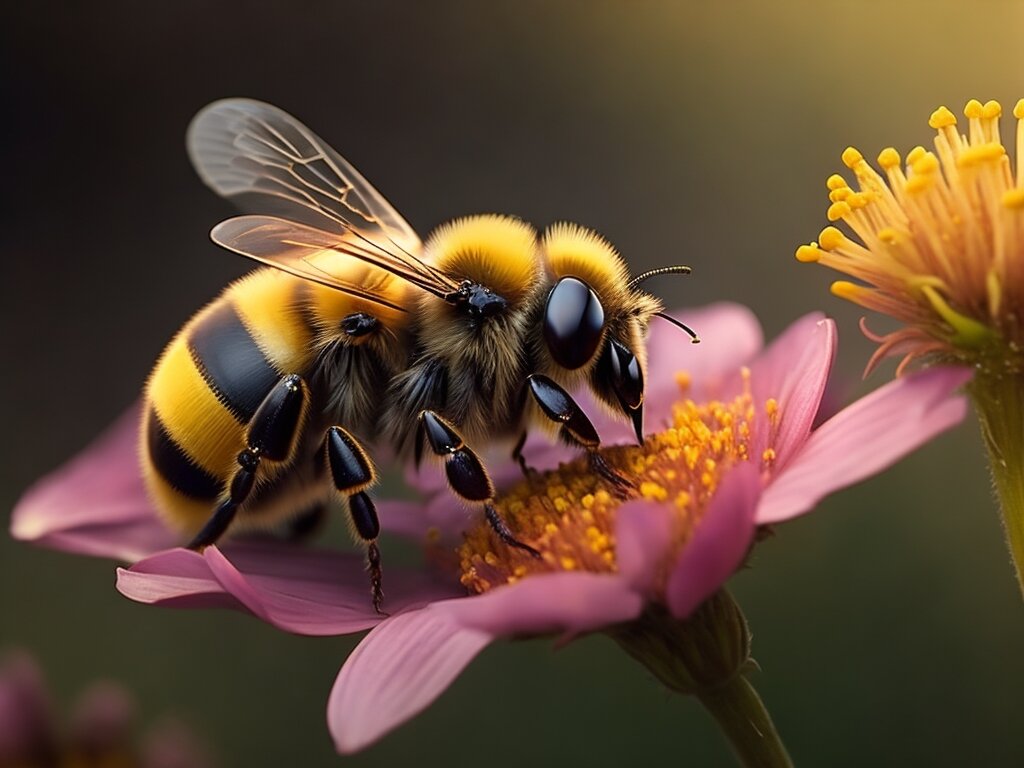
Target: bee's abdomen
(207,386)
(231,363)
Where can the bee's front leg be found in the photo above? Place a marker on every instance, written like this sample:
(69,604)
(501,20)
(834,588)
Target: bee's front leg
(466,473)
(574,427)
(269,436)
(517,456)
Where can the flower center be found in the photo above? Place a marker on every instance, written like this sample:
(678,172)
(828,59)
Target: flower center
(568,514)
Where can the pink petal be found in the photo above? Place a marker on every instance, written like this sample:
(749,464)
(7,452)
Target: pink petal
(865,438)
(397,671)
(297,589)
(730,337)
(793,370)
(643,534)
(719,543)
(570,602)
(406,662)
(95,504)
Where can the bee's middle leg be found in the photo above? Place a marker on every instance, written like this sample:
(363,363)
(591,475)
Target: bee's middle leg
(466,473)
(353,473)
(270,435)
(575,428)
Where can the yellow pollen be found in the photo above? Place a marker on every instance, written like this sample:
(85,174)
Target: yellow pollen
(835,181)
(851,157)
(768,455)
(837,211)
(926,163)
(991,110)
(920,183)
(888,235)
(1014,198)
(980,154)
(1018,110)
(973,109)
(568,514)
(914,154)
(941,118)
(838,195)
(847,290)
(808,253)
(858,200)
(890,158)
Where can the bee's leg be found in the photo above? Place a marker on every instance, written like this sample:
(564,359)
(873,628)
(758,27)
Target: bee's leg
(352,473)
(517,456)
(576,429)
(270,435)
(466,473)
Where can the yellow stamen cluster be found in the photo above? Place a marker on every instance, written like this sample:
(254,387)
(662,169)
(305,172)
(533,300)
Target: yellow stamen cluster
(568,514)
(941,239)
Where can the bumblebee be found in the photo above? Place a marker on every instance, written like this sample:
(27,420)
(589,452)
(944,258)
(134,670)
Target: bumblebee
(356,334)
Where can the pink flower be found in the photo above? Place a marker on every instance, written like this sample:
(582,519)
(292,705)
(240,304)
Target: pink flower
(734,450)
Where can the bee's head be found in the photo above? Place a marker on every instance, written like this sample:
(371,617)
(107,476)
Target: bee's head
(595,320)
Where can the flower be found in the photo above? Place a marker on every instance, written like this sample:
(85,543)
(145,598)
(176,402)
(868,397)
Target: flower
(941,243)
(99,730)
(735,449)
(942,250)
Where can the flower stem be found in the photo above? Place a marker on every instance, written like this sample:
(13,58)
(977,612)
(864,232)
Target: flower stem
(708,655)
(746,723)
(999,401)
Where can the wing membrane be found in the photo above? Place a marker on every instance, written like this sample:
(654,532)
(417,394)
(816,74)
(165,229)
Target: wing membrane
(267,162)
(309,253)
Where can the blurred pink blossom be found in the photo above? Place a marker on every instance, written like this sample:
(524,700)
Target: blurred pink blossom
(100,730)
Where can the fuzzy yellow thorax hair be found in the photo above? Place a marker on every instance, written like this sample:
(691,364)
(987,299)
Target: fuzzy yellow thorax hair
(496,251)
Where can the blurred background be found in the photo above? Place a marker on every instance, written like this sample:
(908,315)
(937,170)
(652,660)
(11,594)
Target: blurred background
(888,626)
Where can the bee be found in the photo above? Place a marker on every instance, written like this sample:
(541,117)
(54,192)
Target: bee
(356,335)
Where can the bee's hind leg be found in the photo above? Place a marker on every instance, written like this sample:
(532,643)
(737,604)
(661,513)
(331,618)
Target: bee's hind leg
(575,428)
(466,473)
(270,435)
(353,473)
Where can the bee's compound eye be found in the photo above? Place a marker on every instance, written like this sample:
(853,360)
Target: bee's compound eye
(359,324)
(573,322)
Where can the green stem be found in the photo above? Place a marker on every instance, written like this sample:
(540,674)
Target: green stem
(999,401)
(745,721)
(707,656)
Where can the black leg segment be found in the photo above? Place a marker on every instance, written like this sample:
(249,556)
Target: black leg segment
(275,425)
(271,434)
(518,458)
(466,473)
(352,473)
(576,429)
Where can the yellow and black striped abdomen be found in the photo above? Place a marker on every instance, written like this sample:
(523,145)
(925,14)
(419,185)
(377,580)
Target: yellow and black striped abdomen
(208,384)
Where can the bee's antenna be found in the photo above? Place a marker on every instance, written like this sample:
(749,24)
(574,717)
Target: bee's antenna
(693,334)
(679,269)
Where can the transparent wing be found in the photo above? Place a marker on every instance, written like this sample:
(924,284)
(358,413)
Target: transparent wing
(339,261)
(265,161)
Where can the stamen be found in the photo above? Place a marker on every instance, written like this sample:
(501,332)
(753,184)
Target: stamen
(569,514)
